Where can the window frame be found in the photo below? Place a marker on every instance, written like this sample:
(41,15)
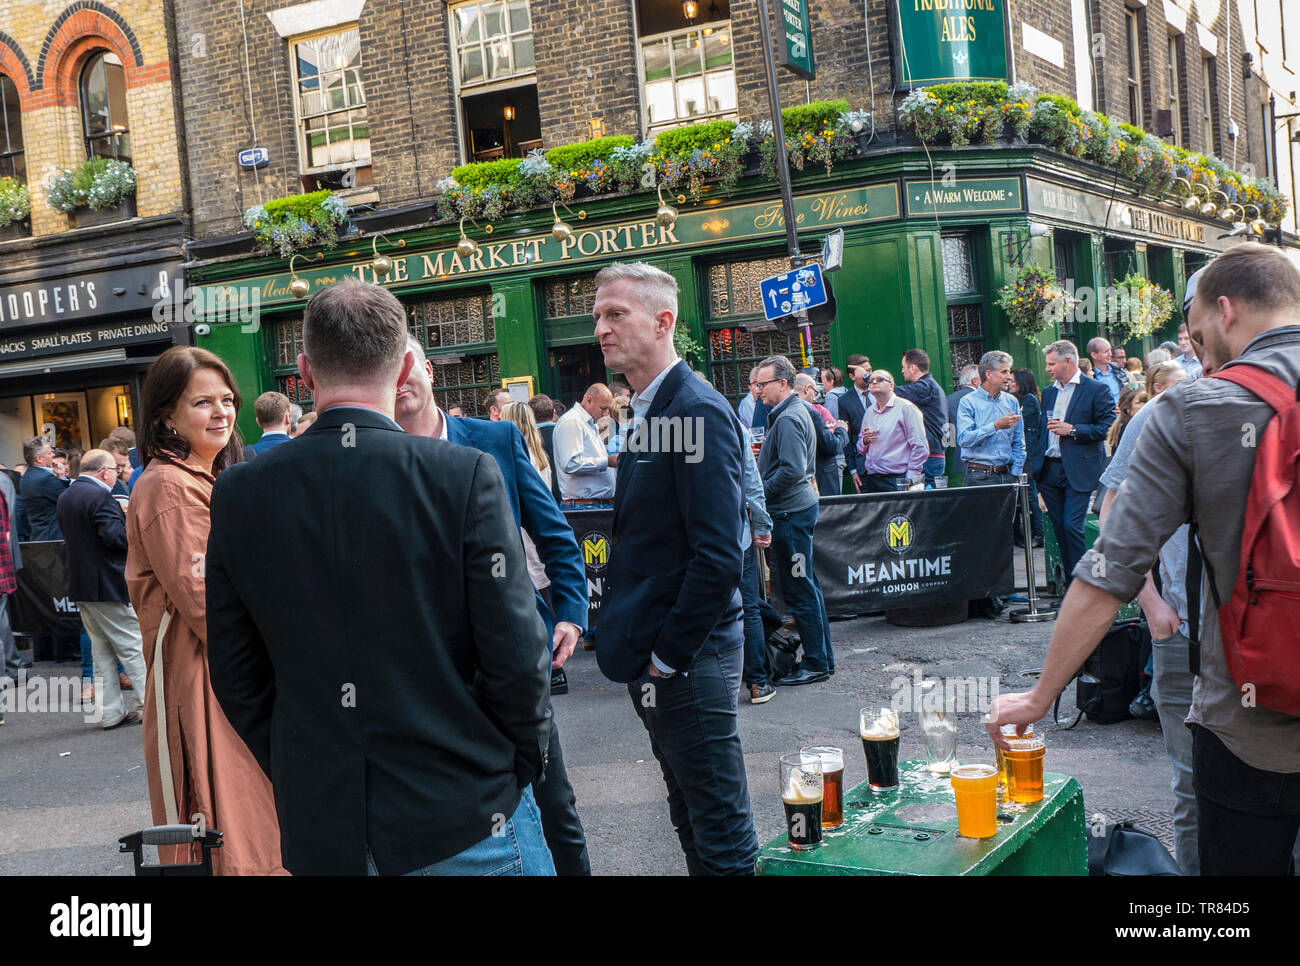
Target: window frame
(468,352)
(646,128)
(1133,80)
(518,78)
(1175,85)
(112,135)
(977,296)
(8,167)
(1208,96)
(299,121)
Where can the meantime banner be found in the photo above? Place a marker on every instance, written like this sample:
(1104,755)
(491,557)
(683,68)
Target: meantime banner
(881,551)
(41,604)
(592,528)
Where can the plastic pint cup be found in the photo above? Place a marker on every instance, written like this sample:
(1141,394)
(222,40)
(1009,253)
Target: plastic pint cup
(976,789)
(1024,761)
(1008,732)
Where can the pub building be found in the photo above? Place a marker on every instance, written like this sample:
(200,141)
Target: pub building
(931,233)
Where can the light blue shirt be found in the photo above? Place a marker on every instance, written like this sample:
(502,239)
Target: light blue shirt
(1191,366)
(980,442)
(1112,380)
(1173,555)
(1063,396)
(760,522)
(746,411)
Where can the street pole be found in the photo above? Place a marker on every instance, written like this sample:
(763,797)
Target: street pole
(778,131)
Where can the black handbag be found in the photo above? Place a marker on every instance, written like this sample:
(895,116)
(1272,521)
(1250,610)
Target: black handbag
(1128,849)
(1111,677)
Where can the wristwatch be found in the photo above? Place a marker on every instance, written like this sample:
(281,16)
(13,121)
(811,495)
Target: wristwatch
(1073,433)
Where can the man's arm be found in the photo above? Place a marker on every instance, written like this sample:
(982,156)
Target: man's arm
(110,523)
(1099,416)
(569,451)
(709,495)
(918,448)
(759,519)
(509,639)
(239,666)
(969,432)
(787,468)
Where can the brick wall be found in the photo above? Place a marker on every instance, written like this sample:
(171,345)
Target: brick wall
(44,48)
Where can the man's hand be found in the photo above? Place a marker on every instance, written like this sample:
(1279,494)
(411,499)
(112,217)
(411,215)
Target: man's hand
(762,540)
(563,641)
(612,459)
(1022,709)
(1059,426)
(857,482)
(1162,620)
(653,671)
(1007,421)
(841,424)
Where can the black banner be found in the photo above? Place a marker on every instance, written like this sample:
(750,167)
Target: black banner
(879,551)
(41,605)
(592,529)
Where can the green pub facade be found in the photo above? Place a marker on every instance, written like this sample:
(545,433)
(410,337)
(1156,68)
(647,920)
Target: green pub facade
(929,239)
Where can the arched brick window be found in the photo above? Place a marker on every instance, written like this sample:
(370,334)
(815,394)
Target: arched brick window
(12,160)
(103,107)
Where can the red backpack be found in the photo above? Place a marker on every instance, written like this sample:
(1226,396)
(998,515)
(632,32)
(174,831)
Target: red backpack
(1260,621)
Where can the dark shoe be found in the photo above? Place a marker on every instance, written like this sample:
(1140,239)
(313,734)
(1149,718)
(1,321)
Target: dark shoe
(1018,540)
(22,664)
(802,676)
(1038,540)
(559,682)
(1143,707)
(761,693)
(131,717)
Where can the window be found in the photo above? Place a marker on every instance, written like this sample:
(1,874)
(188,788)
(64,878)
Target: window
(688,75)
(494,41)
(1134,68)
(459,335)
(333,126)
(1064,247)
(965,303)
(103,108)
(1175,88)
(12,162)
(1207,104)
(733,304)
(286,335)
(1264,127)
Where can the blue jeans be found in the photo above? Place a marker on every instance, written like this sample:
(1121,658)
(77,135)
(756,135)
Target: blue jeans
(792,562)
(756,665)
(1171,690)
(933,468)
(519,849)
(691,718)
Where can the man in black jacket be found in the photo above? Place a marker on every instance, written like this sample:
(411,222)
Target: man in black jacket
(921,389)
(94,556)
(671,623)
(40,491)
(397,690)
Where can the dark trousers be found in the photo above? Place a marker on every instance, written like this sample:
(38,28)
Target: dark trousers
(756,664)
(1247,819)
(692,719)
(559,809)
(882,482)
(791,560)
(1067,508)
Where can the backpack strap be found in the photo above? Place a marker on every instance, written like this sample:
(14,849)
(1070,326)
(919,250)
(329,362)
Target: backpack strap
(1261,382)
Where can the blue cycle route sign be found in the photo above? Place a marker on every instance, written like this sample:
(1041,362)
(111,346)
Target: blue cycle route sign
(796,291)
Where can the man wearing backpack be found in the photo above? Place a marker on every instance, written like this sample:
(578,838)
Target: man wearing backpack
(1207,450)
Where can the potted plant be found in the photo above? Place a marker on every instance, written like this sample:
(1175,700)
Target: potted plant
(289,225)
(15,207)
(1133,308)
(1033,302)
(98,191)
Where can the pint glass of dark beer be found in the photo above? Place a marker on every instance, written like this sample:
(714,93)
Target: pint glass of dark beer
(801,794)
(880,744)
(832,760)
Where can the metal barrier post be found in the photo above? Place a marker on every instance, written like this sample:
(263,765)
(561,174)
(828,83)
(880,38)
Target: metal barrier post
(1032,614)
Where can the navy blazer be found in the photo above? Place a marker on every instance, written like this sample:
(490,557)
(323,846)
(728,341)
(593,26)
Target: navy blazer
(674,571)
(1091,412)
(94,543)
(1031,411)
(852,411)
(535,510)
(268,441)
(41,490)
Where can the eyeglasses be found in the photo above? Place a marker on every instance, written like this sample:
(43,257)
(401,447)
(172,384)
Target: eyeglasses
(881,379)
(767,382)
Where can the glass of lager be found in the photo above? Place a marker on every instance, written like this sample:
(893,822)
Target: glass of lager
(801,793)
(976,789)
(880,745)
(939,730)
(832,760)
(1008,731)
(1024,760)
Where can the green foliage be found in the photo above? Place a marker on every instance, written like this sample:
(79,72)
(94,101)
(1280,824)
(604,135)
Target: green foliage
(301,206)
(812,118)
(687,347)
(15,201)
(1033,301)
(983,93)
(581,156)
(96,183)
(480,174)
(684,140)
(289,225)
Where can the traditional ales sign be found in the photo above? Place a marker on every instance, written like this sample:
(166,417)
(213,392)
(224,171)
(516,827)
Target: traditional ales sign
(937,41)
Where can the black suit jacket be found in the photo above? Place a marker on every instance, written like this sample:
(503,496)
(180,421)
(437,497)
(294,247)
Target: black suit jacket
(94,542)
(852,411)
(674,571)
(41,491)
(372,637)
(548,443)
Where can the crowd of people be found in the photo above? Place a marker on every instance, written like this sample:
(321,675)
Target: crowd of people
(406,668)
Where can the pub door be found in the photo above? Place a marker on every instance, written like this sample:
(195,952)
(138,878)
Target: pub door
(573,369)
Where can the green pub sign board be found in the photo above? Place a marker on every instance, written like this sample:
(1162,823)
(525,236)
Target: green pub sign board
(937,41)
(796,38)
(964,196)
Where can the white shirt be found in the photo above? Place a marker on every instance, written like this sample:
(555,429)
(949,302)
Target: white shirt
(1063,396)
(581,460)
(95,479)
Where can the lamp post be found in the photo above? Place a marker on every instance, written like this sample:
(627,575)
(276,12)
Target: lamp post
(778,132)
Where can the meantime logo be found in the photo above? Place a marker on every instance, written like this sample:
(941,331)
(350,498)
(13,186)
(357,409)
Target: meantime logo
(595,550)
(900,533)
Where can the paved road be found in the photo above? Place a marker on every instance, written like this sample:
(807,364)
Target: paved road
(68,789)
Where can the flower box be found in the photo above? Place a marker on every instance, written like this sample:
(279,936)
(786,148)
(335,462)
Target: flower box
(90,217)
(19,229)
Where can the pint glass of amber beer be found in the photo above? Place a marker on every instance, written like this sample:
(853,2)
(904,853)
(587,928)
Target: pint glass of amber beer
(801,794)
(832,760)
(1024,760)
(976,789)
(1008,731)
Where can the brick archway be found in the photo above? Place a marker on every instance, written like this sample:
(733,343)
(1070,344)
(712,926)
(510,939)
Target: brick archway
(83,28)
(15,65)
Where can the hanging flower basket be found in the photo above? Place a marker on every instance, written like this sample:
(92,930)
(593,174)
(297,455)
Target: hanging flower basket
(1133,308)
(1033,302)
(289,225)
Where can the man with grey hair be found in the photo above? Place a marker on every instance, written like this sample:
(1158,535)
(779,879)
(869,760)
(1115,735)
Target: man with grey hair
(989,430)
(1080,413)
(671,623)
(295,414)
(396,692)
(746,408)
(788,465)
(1157,356)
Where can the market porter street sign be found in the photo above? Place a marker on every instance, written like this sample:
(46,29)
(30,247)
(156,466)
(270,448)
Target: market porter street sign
(795,49)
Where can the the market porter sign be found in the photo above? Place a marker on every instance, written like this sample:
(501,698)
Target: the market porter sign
(707,225)
(1115,215)
(936,41)
(795,47)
